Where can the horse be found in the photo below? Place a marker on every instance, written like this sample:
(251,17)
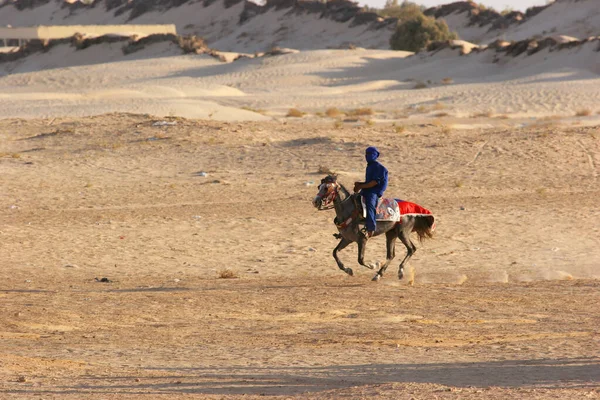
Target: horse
(348,209)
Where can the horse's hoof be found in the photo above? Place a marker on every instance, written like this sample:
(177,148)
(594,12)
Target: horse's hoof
(376,278)
(349,271)
(401,273)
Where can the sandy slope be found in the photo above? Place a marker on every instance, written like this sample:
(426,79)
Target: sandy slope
(101,79)
(505,301)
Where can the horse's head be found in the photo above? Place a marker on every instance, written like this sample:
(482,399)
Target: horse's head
(328,191)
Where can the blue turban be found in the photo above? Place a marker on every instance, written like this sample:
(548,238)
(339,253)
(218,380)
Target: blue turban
(371,154)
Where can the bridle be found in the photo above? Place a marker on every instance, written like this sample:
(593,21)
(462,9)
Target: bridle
(328,192)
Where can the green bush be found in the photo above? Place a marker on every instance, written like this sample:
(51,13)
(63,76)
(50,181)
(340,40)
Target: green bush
(417,33)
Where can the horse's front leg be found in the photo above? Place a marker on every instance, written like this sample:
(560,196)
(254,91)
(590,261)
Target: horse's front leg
(362,246)
(341,245)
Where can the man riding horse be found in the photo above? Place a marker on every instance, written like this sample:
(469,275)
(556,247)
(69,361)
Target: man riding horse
(376,181)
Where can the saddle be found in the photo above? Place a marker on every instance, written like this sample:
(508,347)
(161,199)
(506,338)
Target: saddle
(386,210)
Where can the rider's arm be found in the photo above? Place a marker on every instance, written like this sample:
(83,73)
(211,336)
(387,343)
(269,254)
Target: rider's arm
(365,185)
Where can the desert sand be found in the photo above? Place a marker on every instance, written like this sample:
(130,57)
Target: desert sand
(222,282)
(158,239)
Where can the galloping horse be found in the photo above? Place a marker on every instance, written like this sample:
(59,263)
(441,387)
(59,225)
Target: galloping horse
(348,209)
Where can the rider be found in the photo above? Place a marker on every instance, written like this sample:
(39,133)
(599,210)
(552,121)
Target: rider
(376,181)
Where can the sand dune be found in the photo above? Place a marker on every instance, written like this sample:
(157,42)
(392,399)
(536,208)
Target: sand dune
(242,26)
(558,80)
(577,18)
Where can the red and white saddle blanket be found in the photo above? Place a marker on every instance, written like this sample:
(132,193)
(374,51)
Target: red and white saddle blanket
(394,209)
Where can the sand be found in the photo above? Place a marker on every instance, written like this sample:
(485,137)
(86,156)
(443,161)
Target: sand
(504,303)
(158,238)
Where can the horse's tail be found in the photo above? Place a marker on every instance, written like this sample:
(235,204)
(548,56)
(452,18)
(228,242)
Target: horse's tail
(424,226)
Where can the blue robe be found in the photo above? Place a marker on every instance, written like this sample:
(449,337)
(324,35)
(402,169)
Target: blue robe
(375,172)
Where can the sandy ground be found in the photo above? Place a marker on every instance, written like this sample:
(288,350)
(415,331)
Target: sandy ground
(505,301)
(100,79)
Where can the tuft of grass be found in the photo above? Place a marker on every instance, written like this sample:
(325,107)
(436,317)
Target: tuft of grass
(447,81)
(583,113)
(420,85)
(458,184)
(319,114)
(422,109)
(338,124)
(15,155)
(333,112)
(295,113)
(227,274)
(399,129)
(503,116)
(370,122)
(360,112)
(446,129)
(439,106)
(441,114)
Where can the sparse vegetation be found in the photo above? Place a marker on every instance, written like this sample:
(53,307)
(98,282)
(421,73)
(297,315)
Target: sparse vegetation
(338,124)
(399,129)
(422,109)
(583,113)
(255,110)
(503,116)
(420,85)
(370,122)
(325,170)
(441,114)
(333,112)
(446,129)
(227,274)
(357,112)
(447,81)
(295,113)
(484,114)
(439,106)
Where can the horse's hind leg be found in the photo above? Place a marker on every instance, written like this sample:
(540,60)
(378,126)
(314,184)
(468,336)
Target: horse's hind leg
(390,244)
(403,235)
(341,245)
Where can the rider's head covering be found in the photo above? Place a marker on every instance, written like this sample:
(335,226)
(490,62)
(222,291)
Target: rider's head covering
(371,154)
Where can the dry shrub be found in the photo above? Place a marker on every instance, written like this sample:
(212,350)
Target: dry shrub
(360,111)
(485,114)
(420,85)
(422,109)
(399,129)
(192,44)
(439,106)
(503,116)
(447,81)
(227,274)
(333,112)
(295,113)
(338,124)
(441,115)
(370,122)
(255,110)
(325,170)
(583,113)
